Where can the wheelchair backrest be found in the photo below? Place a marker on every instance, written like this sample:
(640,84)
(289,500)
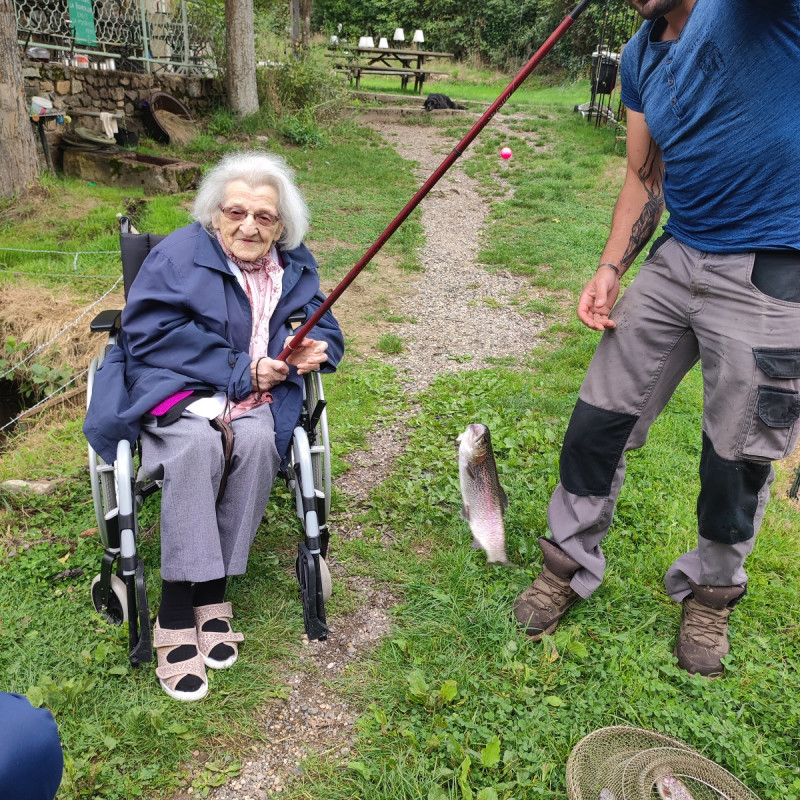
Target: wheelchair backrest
(134,248)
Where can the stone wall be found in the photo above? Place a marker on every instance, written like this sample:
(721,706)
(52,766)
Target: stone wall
(75,88)
(117,91)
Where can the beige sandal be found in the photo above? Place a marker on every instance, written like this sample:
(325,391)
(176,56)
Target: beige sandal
(169,675)
(208,640)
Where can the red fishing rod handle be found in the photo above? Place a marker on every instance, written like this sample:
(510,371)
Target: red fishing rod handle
(512,87)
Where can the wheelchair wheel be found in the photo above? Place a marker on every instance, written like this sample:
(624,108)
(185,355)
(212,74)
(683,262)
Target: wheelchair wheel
(116,611)
(324,576)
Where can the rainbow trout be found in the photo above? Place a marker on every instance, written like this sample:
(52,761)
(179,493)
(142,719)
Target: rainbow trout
(483,498)
(671,788)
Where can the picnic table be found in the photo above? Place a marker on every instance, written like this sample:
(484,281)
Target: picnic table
(358,61)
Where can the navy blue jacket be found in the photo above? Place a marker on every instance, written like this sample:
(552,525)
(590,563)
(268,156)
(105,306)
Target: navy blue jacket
(187,325)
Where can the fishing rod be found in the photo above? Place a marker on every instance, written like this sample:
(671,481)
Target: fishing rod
(458,150)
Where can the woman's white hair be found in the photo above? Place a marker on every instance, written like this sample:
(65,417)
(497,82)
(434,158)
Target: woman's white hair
(256,168)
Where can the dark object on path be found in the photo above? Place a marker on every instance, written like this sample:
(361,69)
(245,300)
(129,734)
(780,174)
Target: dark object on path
(439,101)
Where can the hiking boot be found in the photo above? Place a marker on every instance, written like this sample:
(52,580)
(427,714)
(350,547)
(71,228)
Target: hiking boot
(703,636)
(540,607)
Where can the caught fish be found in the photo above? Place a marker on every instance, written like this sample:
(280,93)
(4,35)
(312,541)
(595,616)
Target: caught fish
(483,498)
(605,794)
(671,788)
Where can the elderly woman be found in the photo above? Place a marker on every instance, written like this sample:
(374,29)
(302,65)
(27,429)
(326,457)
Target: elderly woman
(204,321)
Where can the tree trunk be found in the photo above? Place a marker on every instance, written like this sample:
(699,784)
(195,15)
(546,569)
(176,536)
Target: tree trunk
(305,22)
(294,7)
(240,73)
(17,142)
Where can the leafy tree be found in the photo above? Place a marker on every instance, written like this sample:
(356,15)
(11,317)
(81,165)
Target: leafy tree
(502,33)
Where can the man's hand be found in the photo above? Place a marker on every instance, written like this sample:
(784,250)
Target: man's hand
(598,298)
(308,355)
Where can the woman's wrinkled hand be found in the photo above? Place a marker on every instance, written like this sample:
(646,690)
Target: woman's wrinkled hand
(597,299)
(308,355)
(266,373)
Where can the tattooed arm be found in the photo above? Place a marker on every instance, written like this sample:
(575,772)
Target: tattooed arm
(636,216)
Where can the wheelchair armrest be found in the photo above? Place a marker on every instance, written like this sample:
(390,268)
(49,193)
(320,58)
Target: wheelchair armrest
(106,321)
(297,318)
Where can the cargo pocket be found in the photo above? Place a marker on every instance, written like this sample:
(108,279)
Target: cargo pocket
(773,429)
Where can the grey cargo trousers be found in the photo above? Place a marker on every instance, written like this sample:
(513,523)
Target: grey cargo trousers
(686,305)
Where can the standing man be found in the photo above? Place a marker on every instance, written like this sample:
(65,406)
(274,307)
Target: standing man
(712,89)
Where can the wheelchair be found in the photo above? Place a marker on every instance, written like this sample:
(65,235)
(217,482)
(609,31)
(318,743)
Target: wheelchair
(119,491)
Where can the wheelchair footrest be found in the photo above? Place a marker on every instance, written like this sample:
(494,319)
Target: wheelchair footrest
(308,575)
(141,637)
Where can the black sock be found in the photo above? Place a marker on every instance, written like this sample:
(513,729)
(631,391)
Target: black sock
(208,593)
(176,612)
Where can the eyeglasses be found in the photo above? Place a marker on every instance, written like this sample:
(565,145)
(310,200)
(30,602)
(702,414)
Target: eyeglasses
(262,218)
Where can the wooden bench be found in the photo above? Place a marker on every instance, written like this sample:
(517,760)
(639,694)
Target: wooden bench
(355,71)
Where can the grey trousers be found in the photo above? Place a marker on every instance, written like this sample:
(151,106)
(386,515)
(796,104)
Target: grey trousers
(202,540)
(684,305)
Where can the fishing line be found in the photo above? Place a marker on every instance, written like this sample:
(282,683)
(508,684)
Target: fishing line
(565,25)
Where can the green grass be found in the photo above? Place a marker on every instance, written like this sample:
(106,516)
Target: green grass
(354,188)
(456,703)
(459,704)
(390,344)
(122,736)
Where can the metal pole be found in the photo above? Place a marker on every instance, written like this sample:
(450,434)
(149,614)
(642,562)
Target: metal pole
(145,41)
(185,21)
(565,25)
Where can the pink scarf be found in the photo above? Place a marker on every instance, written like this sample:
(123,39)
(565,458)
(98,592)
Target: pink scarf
(263,281)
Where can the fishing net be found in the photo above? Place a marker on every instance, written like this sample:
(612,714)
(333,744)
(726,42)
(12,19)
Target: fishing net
(624,763)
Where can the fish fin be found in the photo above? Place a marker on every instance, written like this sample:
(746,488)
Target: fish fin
(476,544)
(503,498)
(502,562)
(465,512)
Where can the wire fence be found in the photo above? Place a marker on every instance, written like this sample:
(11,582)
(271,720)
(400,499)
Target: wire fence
(180,36)
(25,361)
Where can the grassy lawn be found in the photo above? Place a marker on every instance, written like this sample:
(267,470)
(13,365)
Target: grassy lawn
(455,703)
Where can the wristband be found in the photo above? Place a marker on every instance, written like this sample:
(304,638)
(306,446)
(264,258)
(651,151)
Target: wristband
(609,264)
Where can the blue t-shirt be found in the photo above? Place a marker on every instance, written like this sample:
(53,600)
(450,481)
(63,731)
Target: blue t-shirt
(723,103)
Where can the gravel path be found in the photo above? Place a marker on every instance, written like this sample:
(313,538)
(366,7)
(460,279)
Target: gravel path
(453,299)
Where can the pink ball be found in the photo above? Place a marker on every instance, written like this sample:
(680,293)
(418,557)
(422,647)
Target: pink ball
(505,153)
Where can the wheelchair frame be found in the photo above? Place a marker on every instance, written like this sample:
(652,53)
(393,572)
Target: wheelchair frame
(119,491)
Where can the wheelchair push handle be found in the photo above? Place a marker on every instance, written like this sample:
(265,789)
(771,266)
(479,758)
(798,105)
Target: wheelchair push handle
(548,45)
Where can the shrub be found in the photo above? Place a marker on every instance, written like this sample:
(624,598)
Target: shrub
(305,83)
